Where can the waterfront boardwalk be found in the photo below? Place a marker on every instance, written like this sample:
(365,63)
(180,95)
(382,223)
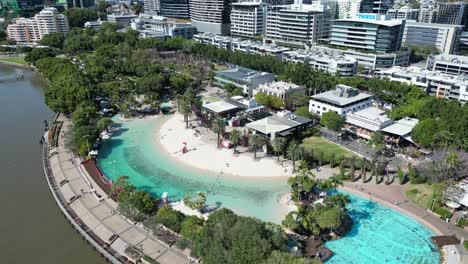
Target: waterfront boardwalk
(101,217)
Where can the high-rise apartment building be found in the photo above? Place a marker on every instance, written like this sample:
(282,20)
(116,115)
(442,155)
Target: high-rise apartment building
(376,6)
(427,15)
(371,32)
(248,19)
(175,8)
(348,8)
(49,20)
(152,5)
(455,13)
(403,13)
(296,24)
(213,16)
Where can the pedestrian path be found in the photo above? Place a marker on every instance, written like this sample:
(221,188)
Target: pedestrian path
(100,215)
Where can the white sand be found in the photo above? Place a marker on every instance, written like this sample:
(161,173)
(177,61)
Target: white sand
(204,154)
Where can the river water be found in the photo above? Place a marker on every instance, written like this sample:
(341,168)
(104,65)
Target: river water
(32,228)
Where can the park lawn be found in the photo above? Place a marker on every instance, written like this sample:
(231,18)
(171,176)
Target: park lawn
(424,198)
(318,144)
(210,99)
(19,60)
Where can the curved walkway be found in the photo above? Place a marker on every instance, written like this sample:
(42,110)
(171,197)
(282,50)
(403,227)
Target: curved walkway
(393,196)
(99,216)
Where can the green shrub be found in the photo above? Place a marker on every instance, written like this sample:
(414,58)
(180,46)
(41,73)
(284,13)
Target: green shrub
(462,222)
(150,260)
(465,244)
(418,180)
(169,218)
(444,213)
(414,191)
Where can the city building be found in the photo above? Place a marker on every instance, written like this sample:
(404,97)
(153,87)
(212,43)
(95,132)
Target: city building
(348,8)
(368,60)
(336,65)
(154,26)
(436,84)
(174,8)
(282,90)
(342,100)
(444,37)
(248,19)
(364,123)
(370,32)
(296,24)
(455,13)
(404,13)
(152,5)
(283,125)
(447,63)
(376,6)
(399,133)
(427,15)
(94,24)
(122,19)
(213,16)
(243,78)
(47,21)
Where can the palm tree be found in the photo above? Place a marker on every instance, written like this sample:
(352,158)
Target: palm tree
(336,180)
(303,181)
(320,158)
(235,137)
(278,144)
(179,99)
(256,142)
(340,200)
(186,110)
(290,221)
(295,152)
(353,167)
(218,127)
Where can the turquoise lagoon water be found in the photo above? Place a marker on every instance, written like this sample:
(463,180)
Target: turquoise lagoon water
(379,233)
(382,235)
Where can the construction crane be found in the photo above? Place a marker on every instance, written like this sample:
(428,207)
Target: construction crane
(7,6)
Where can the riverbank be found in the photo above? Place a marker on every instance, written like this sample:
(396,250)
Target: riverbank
(203,152)
(17,61)
(99,217)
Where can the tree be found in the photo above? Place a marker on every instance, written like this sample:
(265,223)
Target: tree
(401,175)
(255,143)
(290,221)
(304,112)
(78,16)
(302,182)
(377,141)
(180,83)
(338,200)
(197,204)
(235,137)
(121,189)
(54,40)
(38,53)
(136,8)
(295,152)
(128,209)
(102,6)
(143,201)
(104,123)
(296,99)
(218,127)
(279,145)
(332,120)
(425,131)
(228,238)
(191,227)
(330,218)
(186,110)
(3,35)
(169,218)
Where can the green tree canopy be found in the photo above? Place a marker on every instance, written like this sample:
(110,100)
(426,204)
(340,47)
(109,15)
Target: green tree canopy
(332,120)
(54,40)
(78,16)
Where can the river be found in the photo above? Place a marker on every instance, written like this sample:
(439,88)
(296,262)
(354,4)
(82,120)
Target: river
(32,228)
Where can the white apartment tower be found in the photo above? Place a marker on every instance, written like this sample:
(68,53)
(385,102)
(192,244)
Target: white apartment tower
(348,8)
(212,16)
(152,5)
(33,29)
(248,19)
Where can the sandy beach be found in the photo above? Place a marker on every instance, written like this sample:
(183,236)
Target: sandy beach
(204,154)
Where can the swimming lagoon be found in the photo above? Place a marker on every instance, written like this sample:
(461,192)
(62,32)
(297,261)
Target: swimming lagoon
(379,235)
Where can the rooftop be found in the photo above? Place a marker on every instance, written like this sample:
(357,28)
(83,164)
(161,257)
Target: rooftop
(220,107)
(280,86)
(402,127)
(458,59)
(342,95)
(275,124)
(377,19)
(241,73)
(414,23)
(373,115)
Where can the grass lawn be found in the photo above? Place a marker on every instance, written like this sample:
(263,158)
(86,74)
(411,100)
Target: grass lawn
(19,60)
(318,144)
(221,67)
(424,198)
(210,99)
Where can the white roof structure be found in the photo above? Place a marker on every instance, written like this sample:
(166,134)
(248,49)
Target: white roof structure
(220,107)
(402,128)
(343,95)
(275,124)
(370,118)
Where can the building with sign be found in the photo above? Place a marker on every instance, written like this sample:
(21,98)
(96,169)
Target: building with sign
(368,32)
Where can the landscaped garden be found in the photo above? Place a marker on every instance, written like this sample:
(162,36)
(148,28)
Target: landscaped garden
(319,144)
